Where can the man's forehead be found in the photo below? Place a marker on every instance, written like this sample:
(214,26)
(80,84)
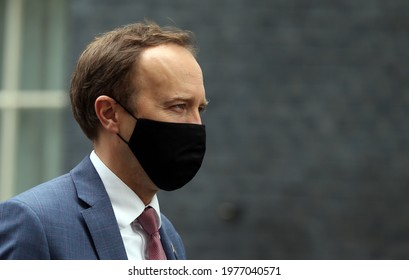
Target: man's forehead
(165,51)
(165,62)
(167,54)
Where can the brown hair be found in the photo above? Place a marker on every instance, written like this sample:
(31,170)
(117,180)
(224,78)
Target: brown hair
(107,64)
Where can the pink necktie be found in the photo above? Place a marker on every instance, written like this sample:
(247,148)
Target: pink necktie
(148,222)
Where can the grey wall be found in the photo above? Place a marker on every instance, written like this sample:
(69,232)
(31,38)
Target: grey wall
(308,139)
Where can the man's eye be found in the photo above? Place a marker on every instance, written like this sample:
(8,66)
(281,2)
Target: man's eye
(179,107)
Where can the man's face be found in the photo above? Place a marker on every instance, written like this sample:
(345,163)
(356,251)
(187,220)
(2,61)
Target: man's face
(171,86)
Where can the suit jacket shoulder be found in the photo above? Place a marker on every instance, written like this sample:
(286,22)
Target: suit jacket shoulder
(69,217)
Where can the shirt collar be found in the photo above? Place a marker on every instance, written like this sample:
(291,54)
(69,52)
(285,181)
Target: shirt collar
(126,204)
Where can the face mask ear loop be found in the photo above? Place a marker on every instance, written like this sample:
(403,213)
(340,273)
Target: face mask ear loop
(122,139)
(123,107)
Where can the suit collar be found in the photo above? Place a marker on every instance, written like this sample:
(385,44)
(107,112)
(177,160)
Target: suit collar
(126,203)
(99,215)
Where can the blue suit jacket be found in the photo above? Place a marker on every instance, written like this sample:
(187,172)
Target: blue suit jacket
(70,217)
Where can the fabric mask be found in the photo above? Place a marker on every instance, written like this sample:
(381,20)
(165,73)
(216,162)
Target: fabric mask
(170,153)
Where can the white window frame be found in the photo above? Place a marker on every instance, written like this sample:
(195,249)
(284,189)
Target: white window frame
(13,100)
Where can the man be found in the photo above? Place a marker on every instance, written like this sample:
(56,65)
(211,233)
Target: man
(137,93)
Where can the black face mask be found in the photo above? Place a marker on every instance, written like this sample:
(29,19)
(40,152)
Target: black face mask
(170,153)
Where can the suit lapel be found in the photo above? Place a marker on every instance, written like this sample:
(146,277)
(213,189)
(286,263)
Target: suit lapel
(99,215)
(104,231)
(168,246)
(171,241)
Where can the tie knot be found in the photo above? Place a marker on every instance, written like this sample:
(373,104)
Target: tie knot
(148,221)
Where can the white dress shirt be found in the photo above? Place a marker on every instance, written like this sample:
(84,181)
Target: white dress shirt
(127,207)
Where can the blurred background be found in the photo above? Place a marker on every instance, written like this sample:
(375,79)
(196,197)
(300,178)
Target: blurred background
(308,139)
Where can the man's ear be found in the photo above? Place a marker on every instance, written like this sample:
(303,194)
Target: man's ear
(106,111)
